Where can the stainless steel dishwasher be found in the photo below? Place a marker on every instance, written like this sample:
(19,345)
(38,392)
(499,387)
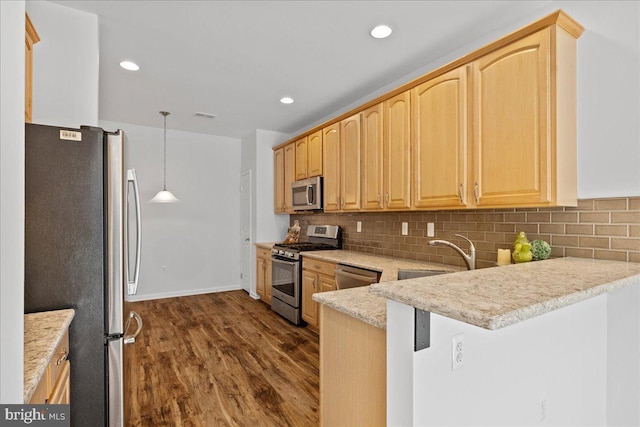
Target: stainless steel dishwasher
(352,277)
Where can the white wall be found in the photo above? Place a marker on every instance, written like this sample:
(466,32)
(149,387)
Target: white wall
(561,355)
(257,155)
(11,200)
(198,239)
(608,92)
(65,78)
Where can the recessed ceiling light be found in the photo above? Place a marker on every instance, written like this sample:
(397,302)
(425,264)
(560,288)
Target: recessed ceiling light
(381,32)
(286,100)
(128,65)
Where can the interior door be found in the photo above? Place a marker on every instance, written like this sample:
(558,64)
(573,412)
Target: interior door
(245,230)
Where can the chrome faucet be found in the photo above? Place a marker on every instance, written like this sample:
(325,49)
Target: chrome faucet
(470,259)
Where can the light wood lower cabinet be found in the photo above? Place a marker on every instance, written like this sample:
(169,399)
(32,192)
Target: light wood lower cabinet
(263,274)
(54,388)
(31,37)
(353,371)
(317,276)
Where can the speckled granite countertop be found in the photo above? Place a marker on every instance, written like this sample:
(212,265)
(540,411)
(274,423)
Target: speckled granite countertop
(265,245)
(493,298)
(359,302)
(42,334)
(387,265)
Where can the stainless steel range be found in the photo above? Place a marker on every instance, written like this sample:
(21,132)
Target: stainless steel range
(286,277)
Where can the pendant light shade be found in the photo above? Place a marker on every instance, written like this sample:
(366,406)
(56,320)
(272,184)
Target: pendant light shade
(164,196)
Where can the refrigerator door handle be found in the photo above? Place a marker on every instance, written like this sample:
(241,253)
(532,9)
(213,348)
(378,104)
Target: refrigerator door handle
(132,285)
(131,338)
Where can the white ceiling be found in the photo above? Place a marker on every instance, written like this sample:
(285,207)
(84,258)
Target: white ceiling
(236,59)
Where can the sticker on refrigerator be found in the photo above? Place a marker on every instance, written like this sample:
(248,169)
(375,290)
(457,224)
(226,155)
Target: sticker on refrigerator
(70,135)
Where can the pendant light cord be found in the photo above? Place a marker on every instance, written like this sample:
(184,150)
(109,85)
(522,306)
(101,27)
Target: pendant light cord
(164,187)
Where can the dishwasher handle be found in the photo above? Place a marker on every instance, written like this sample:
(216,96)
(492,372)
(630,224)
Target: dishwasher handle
(345,279)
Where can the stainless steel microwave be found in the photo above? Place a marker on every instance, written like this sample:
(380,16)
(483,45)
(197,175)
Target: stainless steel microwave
(307,194)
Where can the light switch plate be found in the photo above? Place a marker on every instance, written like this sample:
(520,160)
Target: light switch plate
(430,230)
(405,228)
(359,226)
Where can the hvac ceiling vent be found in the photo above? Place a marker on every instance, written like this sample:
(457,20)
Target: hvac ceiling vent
(205,115)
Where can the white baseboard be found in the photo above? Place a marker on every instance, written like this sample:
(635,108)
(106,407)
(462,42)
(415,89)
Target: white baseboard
(254,296)
(182,293)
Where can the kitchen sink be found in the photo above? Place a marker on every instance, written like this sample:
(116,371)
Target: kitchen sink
(414,273)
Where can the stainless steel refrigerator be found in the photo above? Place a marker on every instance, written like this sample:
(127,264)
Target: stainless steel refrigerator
(77,238)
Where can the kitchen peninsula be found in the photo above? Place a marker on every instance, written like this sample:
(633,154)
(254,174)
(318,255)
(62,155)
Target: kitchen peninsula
(534,340)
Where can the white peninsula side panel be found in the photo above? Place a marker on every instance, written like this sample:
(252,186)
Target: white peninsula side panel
(549,370)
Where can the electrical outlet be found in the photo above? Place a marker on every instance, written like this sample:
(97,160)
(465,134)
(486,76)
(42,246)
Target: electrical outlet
(430,230)
(543,407)
(457,352)
(405,228)
(164,269)
(359,226)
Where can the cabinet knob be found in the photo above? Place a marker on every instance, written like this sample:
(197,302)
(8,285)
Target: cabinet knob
(64,354)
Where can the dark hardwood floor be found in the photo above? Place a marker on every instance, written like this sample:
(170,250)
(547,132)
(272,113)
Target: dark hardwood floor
(221,359)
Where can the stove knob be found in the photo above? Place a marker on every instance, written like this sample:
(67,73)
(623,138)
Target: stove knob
(288,254)
(281,252)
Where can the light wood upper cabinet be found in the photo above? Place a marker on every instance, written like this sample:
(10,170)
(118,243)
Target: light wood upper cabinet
(301,158)
(350,163)
(331,155)
(511,103)
(309,156)
(314,154)
(278,181)
(495,128)
(524,144)
(397,151)
(284,165)
(31,38)
(341,148)
(439,133)
(289,175)
(372,158)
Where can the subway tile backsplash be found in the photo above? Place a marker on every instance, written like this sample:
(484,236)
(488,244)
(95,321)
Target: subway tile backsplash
(596,228)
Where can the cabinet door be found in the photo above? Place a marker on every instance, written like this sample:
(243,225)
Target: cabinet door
(327,283)
(60,393)
(267,281)
(371,161)
(289,175)
(309,306)
(278,180)
(314,154)
(397,148)
(261,269)
(511,125)
(350,163)
(301,158)
(331,154)
(439,133)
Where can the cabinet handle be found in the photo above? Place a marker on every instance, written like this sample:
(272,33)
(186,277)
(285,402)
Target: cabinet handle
(64,355)
(460,192)
(476,191)
(387,199)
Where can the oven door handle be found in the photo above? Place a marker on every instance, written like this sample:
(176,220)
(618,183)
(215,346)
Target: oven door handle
(282,261)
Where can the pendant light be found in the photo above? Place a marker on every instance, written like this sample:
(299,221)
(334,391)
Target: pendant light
(164,196)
